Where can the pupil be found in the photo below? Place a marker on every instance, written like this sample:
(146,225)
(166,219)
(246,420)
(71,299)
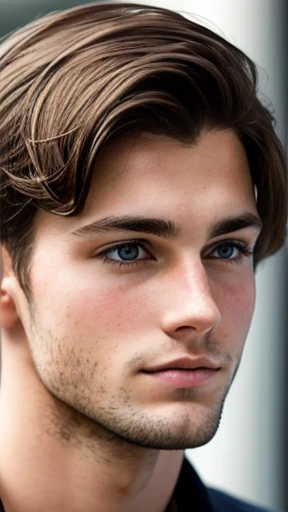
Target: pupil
(128,252)
(226,251)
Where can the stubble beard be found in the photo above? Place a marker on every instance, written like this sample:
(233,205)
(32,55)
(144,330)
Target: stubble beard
(76,416)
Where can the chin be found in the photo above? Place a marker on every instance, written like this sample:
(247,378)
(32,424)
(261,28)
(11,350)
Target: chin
(163,433)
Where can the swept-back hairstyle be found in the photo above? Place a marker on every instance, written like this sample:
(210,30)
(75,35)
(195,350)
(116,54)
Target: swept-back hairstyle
(73,79)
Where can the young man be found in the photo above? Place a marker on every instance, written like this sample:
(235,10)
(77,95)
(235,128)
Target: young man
(141,184)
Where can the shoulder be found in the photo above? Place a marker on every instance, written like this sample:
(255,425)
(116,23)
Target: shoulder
(223,502)
(191,490)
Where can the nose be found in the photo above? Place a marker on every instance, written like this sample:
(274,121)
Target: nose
(189,304)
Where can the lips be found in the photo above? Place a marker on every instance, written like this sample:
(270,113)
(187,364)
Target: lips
(184,363)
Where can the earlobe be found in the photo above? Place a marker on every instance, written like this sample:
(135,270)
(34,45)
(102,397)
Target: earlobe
(8,311)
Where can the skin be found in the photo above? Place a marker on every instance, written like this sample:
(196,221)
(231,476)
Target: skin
(90,430)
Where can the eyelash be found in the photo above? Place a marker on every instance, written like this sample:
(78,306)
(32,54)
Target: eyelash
(244,249)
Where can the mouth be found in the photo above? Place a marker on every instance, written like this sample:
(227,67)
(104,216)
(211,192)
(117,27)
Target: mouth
(184,378)
(184,373)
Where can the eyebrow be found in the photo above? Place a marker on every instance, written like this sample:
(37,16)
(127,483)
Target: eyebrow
(164,228)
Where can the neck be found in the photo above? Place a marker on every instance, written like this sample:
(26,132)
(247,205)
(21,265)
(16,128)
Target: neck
(54,458)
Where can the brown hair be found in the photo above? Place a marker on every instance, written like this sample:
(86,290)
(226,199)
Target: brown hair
(75,78)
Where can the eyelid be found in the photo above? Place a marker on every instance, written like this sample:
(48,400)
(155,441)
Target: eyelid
(116,245)
(243,243)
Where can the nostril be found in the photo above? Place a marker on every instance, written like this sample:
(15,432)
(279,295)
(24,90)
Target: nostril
(185,327)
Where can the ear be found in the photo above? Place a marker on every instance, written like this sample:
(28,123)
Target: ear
(8,311)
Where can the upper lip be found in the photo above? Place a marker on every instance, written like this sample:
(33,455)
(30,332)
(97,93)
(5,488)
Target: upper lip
(185,363)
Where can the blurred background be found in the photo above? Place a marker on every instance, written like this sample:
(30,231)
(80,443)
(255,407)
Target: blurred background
(248,455)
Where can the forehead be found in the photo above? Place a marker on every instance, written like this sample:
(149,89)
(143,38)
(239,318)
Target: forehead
(153,167)
(158,176)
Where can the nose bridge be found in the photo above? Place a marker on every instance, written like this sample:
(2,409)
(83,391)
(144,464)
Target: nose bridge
(193,281)
(191,303)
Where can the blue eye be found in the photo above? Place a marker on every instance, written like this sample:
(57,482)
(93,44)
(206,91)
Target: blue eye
(231,251)
(225,251)
(127,253)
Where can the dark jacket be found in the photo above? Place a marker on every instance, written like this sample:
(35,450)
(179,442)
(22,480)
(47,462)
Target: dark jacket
(191,495)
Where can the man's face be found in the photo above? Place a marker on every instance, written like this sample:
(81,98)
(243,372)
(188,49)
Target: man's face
(111,305)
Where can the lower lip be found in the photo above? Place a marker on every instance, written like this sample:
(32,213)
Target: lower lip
(184,378)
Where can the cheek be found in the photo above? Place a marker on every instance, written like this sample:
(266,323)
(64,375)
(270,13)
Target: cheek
(111,309)
(92,308)
(86,324)
(236,303)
